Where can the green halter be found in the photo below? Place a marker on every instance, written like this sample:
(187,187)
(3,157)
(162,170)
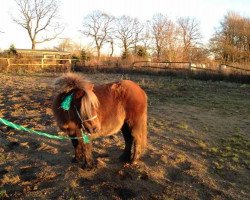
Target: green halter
(65,105)
(85,138)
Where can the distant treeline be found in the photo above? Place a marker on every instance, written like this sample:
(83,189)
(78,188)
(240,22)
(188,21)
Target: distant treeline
(158,39)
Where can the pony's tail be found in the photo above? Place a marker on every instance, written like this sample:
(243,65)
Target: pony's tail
(144,136)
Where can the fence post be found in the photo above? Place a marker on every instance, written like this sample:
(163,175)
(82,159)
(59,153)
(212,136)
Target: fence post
(42,62)
(8,61)
(8,66)
(70,65)
(190,66)
(222,68)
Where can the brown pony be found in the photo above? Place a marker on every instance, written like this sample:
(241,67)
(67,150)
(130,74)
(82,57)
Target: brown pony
(102,110)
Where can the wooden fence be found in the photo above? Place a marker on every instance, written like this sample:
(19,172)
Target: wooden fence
(43,62)
(225,68)
(37,62)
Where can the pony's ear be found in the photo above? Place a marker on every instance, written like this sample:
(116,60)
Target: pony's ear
(79,94)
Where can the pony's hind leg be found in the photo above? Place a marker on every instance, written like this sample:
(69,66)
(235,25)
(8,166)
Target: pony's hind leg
(139,134)
(137,141)
(126,131)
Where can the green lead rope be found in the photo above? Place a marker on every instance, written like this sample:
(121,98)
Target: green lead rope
(85,137)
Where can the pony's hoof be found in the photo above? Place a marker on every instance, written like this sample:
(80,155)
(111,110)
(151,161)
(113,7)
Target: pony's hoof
(89,166)
(135,163)
(125,158)
(74,160)
(131,165)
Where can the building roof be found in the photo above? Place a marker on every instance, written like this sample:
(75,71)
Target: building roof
(42,51)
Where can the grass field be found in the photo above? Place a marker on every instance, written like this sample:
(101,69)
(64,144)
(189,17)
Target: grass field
(199,144)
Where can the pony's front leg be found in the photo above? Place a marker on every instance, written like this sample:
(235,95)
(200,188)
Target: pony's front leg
(87,155)
(86,150)
(78,150)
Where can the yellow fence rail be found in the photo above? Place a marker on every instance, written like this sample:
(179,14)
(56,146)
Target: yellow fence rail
(38,62)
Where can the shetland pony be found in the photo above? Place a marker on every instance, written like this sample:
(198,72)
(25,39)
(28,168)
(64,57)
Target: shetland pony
(102,110)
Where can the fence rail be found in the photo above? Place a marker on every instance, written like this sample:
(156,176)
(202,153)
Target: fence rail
(43,62)
(234,67)
(188,66)
(38,62)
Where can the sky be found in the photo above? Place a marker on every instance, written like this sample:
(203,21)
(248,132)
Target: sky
(208,12)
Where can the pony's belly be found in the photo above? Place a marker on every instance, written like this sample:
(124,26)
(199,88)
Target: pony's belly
(112,124)
(106,132)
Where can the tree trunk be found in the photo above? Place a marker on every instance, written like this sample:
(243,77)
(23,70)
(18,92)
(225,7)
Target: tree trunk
(112,49)
(98,53)
(158,53)
(33,44)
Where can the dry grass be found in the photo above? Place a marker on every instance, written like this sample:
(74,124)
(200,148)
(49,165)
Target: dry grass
(198,144)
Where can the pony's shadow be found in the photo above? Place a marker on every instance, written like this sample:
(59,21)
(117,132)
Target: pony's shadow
(44,169)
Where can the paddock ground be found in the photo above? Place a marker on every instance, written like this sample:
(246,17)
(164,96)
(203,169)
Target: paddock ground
(198,144)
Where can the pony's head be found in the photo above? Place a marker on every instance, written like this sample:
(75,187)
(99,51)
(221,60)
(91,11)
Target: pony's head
(84,103)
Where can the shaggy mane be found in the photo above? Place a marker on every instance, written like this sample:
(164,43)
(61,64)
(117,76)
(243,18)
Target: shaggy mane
(71,81)
(88,101)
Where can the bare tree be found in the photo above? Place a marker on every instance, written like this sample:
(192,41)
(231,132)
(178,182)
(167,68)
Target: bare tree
(110,40)
(231,42)
(128,33)
(171,47)
(98,26)
(138,28)
(37,17)
(160,29)
(65,45)
(146,36)
(190,36)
